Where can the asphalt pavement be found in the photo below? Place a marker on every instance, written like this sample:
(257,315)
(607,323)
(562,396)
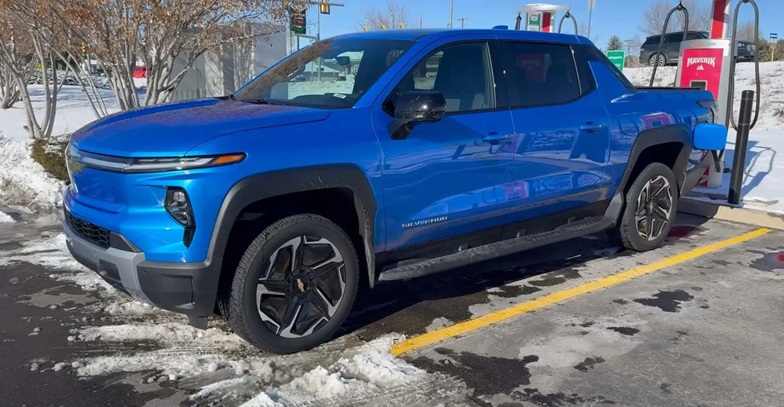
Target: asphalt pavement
(705,330)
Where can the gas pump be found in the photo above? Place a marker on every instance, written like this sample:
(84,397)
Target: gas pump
(709,64)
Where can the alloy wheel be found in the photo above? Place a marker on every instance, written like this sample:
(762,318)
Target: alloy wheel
(302,287)
(654,208)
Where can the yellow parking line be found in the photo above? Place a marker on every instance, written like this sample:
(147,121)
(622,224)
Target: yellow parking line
(461,328)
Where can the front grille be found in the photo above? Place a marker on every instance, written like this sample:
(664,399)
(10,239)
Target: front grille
(88,231)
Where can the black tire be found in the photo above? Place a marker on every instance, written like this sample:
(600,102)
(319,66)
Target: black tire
(660,207)
(304,285)
(662,61)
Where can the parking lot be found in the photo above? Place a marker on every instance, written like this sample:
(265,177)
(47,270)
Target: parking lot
(697,322)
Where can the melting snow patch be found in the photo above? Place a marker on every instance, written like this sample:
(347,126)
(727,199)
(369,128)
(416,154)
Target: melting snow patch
(6,218)
(368,370)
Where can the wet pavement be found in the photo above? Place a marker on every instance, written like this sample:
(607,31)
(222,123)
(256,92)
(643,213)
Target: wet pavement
(704,332)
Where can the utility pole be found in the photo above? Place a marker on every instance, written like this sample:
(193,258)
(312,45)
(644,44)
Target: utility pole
(462,22)
(590,16)
(451,12)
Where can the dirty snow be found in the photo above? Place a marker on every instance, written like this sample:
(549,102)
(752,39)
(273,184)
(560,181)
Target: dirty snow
(5,218)
(762,186)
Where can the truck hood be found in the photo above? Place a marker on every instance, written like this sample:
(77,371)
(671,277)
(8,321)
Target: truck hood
(172,130)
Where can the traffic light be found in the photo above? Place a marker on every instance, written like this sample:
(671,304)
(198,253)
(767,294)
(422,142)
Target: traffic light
(324,7)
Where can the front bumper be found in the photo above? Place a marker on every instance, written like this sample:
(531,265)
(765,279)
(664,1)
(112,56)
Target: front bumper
(184,288)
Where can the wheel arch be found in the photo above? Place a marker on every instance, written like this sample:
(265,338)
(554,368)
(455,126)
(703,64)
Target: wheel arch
(258,188)
(669,145)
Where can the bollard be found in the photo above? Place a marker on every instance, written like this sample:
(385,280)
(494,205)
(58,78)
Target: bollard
(741,144)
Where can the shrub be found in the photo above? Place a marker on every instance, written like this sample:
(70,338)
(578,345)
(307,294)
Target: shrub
(51,155)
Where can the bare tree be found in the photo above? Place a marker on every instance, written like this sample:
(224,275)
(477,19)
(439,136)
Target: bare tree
(393,17)
(22,46)
(166,37)
(656,13)
(746,32)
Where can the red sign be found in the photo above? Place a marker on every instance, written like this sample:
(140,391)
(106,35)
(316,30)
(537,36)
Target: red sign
(701,68)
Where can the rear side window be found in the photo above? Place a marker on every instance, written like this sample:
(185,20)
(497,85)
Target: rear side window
(535,74)
(654,40)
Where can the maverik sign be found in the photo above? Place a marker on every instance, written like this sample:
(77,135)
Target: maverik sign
(702,69)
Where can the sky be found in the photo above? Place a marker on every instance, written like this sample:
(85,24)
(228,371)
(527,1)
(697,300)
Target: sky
(620,17)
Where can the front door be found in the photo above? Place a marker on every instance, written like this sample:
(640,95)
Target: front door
(451,177)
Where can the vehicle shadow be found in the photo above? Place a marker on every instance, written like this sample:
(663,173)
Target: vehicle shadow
(410,306)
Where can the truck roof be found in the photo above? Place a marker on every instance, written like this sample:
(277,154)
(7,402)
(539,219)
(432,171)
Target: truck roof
(418,34)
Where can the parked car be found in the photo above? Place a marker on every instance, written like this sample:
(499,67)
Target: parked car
(276,204)
(670,52)
(745,51)
(668,55)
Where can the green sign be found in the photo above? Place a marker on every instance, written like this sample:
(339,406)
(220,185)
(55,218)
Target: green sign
(617,57)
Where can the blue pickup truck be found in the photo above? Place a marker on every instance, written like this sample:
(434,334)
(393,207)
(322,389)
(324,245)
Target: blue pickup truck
(373,157)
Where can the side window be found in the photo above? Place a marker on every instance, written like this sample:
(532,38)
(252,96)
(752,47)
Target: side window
(460,72)
(674,37)
(536,74)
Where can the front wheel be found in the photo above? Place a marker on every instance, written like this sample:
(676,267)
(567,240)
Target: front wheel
(295,285)
(651,207)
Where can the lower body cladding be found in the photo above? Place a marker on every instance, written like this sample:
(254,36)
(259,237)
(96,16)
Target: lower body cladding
(183,288)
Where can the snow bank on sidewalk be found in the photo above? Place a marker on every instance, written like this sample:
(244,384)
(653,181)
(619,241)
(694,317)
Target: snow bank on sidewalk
(763,188)
(23,181)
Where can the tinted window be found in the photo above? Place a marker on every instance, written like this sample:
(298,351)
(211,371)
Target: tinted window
(536,74)
(653,40)
(674,37)
(460,72)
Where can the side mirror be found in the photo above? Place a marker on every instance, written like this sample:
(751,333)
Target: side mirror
(416,107)
(709,137)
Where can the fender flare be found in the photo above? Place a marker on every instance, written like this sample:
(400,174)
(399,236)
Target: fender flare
(267,185)
(674,133)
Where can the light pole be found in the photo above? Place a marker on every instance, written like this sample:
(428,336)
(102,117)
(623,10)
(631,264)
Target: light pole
(451,13)
(590,15)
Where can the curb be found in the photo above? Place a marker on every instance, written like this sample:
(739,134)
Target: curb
(731,213)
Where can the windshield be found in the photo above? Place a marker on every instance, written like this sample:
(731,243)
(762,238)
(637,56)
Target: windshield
(332,73)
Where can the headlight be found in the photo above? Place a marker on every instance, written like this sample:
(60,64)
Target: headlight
(122,164)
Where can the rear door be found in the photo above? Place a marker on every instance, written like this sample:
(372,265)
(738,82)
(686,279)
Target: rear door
(561,141)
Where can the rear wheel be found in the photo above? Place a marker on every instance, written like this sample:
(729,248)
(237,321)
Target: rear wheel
(651,207)
(295,285)
(657,59)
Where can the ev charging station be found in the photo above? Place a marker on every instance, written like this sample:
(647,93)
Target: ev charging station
(709,64)
(540,16)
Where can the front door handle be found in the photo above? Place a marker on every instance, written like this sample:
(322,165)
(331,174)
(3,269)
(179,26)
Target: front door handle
(592,127)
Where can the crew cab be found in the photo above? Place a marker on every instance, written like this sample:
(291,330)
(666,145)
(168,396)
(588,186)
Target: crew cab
(373,157)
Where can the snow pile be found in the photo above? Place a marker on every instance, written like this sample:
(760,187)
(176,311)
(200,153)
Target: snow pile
(5,218)
(367,370)
(23,181)
(762,188)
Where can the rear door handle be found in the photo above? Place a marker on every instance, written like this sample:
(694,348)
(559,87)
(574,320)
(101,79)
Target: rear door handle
(592,127)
